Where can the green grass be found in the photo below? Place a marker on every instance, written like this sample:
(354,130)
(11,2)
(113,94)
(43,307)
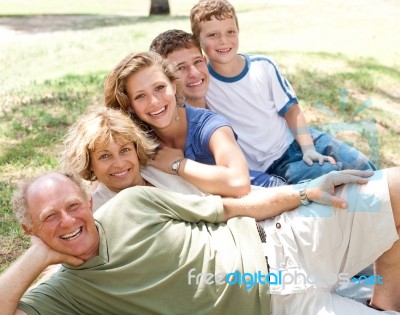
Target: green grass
(32,129)
(48,79)
(11,233)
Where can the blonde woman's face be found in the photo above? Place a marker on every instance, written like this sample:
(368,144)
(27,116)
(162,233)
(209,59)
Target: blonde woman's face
(116,165)
(152,97)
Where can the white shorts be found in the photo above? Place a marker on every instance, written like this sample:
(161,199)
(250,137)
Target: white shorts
(316,248)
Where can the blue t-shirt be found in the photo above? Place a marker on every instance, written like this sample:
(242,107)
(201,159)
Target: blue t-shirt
(201,124)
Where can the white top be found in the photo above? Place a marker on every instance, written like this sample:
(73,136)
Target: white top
(154,176)
(255,102)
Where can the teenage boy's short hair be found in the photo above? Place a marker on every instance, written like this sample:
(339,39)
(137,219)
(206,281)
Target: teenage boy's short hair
(204,10)
(172,40)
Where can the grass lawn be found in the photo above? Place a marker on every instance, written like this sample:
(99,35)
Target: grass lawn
(342,57)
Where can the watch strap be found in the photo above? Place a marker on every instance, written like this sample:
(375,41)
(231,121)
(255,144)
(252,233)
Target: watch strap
(303,192)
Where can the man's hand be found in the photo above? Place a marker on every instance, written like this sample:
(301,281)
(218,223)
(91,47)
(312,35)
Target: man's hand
(310,156)
(50,256)
(322,189)
(23,272)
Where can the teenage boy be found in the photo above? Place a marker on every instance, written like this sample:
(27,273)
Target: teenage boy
(183,50)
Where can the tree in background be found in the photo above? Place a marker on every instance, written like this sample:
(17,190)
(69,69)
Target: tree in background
(159,7)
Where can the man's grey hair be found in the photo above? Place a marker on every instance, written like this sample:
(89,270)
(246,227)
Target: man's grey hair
(19,198)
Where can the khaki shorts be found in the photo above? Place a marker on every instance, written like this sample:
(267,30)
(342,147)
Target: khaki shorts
(315,248)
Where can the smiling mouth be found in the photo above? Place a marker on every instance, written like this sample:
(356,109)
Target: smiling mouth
(194,84)
(159,112)
(71,236)
(224,50)
(119,174)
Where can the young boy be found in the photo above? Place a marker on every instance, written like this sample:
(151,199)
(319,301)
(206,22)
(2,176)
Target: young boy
(261,105)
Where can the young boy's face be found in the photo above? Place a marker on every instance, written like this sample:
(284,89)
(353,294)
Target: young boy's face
(219,39)
(193,73)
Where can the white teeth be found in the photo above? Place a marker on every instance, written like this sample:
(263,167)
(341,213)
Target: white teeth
(224,50)
(119,174)
(195,83)
(71,235)
(158,112)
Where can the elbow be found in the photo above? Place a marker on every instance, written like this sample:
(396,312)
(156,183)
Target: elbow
(238,188)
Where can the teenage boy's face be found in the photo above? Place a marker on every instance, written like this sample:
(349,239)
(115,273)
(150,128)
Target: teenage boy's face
(219,39)
(193,73)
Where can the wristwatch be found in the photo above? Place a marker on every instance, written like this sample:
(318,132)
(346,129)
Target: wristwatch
(303,193)
(175,166)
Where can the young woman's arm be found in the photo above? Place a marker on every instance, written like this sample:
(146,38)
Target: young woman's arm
(229,177)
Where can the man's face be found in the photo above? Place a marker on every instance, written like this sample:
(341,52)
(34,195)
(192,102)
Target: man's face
(62,217)
(193,73)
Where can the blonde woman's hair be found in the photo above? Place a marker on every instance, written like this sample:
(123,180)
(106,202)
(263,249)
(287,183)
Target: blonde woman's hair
(115,93)
(99,128)
(204,10)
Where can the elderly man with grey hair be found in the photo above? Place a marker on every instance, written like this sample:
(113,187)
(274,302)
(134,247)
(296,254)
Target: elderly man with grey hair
(149,251)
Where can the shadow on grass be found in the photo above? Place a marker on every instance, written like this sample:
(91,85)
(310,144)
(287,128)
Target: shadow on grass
(33,24)
(35,126)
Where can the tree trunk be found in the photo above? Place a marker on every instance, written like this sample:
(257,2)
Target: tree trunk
(159,7)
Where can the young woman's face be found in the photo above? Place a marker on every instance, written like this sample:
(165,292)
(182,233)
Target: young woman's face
(152,97)
(116,165)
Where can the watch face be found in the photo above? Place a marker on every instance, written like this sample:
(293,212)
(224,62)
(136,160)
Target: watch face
(175,166)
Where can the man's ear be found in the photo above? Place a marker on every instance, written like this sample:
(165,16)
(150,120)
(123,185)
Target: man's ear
(27,229)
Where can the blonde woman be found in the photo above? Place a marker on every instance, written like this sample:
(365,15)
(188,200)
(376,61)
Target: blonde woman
(104,145)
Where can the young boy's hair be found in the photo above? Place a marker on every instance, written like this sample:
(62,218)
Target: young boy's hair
(172,40)
(204,10)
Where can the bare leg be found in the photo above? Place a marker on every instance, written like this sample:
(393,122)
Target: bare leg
(387,296)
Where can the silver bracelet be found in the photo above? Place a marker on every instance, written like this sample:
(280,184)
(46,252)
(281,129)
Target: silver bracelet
(303,192)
